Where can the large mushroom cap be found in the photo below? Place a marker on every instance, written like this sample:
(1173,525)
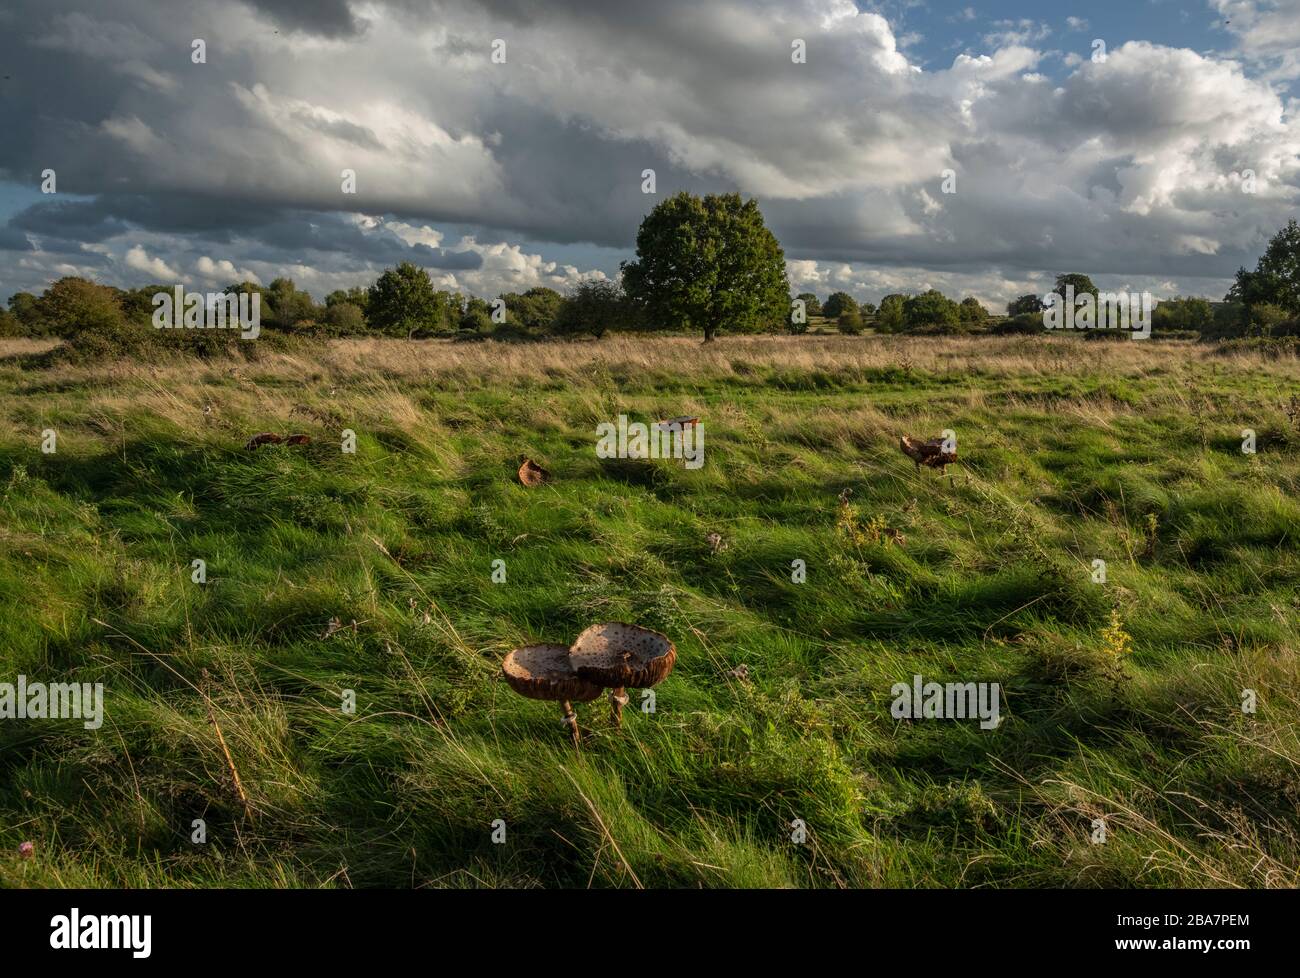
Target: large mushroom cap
(544,672)
(929,453)
(615,654)
(532,474)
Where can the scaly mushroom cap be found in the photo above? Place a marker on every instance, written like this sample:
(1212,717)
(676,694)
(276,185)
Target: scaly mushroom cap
(532,474)
(677,424)
(544,672)
(929,453)
(615,654)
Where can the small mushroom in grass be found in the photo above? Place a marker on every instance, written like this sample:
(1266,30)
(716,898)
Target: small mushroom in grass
(532,474)
(544,672)
(618,655)
(678,423)
(271,438)
(932,454)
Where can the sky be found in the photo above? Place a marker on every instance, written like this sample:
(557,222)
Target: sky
(980,149)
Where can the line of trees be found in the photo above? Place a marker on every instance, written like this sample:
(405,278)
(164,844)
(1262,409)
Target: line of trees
(702,264)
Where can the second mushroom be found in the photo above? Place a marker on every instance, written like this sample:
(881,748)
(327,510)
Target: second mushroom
(618,655)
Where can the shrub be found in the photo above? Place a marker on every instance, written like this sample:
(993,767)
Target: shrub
(89,318)
(343,319)
(1025,324)
(1179,313)
(850,322)
(477,316)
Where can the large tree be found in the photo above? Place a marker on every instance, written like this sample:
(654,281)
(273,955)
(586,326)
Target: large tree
(1276,278)
(402,301)
(1025,305)
(74,305)
(970,311)
(594,306)
(811,304)
(891,317)
(26,309)
(931,308)
(705,263)
(838,304)
(1082,284)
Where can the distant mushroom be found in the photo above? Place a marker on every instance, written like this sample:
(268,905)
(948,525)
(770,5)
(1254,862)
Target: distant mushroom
(271,438)
(532,474)
(618,655)
(544,672)
(678,423)
(932,454)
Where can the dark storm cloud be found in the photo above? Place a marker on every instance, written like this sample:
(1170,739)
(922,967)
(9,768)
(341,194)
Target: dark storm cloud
(328,18)
(1124,167)
(278,234)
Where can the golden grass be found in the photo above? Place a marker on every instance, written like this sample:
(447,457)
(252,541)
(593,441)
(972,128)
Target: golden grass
(374,378)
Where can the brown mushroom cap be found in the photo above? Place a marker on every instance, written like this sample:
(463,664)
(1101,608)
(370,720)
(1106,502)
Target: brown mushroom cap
(532,474)
(544,672)
(616,654)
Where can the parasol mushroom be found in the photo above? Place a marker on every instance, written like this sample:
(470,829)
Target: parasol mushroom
(271,438)
(618,655)
(931,454)
(678,423)
(532,474)
(544,672)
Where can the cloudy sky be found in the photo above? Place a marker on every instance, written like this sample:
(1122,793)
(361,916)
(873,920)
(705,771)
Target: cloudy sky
(501,176)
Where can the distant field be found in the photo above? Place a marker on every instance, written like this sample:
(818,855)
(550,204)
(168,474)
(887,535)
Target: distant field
(1070,451)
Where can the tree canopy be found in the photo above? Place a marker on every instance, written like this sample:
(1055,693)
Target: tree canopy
(1276,278)
(708,263)
(402,301)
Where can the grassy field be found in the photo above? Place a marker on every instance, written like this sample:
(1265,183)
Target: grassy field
(1122,701)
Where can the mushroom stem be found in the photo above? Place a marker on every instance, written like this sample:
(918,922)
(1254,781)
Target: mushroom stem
(618,699)
(571,721)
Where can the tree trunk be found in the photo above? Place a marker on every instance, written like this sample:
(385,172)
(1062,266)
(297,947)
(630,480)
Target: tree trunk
(709,333)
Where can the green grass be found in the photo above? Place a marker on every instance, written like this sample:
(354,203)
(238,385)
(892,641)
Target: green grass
(1123,452)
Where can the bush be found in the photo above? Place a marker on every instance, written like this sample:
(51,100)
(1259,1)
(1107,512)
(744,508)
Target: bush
(9,324)
(1181,314)
(343,319)
(1025,324)
(1271,347)
(89,318)
(476,318)
(25,307)
(850,322)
